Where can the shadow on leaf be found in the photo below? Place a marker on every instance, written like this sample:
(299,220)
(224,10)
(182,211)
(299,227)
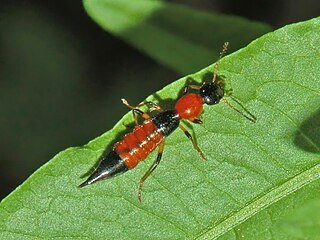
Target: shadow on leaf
(308,135)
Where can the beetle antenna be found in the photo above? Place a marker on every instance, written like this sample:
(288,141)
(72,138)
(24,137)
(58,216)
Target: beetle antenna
(251,117)
(215,67)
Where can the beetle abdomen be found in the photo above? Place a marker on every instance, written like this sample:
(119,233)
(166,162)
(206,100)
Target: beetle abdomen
(136,146)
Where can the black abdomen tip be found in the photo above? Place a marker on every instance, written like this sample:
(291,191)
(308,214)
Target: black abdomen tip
(85,183)
(110,166)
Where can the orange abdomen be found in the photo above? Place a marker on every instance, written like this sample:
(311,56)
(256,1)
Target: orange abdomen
(136,146)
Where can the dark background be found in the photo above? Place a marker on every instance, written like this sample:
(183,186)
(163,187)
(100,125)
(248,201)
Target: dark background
(62,76)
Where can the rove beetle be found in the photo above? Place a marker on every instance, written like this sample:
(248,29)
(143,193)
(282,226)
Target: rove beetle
(145,137)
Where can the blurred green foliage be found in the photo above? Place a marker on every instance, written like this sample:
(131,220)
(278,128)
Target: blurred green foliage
(50,95)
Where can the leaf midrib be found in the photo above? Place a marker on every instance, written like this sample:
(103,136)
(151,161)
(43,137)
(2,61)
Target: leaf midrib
(261,202)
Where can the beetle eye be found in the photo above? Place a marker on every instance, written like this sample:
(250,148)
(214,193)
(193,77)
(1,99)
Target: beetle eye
(207,100)
(211,100)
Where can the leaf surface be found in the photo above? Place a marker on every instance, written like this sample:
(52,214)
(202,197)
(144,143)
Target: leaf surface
(259,179)
(179,37)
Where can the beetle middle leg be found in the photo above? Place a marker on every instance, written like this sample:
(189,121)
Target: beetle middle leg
(193,141)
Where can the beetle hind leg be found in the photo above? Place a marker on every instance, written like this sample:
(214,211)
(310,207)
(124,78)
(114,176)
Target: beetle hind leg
(150,170)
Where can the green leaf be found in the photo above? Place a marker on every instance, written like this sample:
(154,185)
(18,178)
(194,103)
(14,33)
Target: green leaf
(177,36)
(261,180)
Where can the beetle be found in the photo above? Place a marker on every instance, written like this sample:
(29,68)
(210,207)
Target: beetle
(152,132)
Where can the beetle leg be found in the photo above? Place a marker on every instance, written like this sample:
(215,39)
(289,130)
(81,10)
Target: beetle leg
(197,121)
(193,141)
(151,169)
(188,87)
(136,110)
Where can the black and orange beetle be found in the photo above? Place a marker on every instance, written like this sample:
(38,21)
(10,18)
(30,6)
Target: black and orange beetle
(151,133)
